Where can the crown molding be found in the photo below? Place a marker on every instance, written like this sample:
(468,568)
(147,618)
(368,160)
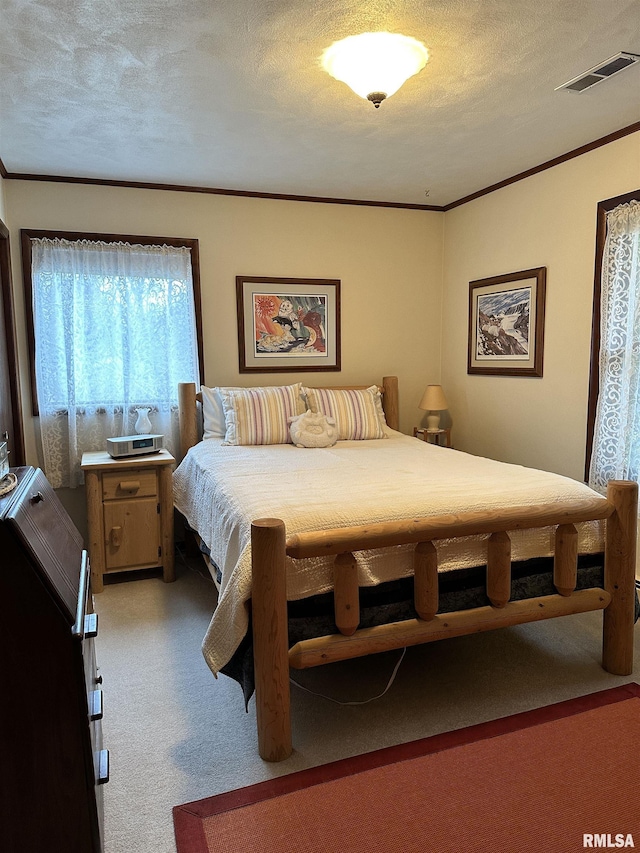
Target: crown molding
(549,164)
(186,188)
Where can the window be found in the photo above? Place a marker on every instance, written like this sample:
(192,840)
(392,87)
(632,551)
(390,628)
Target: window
(114,325)
(613,432)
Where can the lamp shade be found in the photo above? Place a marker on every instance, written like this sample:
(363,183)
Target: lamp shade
(433,399)
(375,65)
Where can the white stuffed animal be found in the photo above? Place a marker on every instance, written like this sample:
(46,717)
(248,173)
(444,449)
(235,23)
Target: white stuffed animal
(313,430)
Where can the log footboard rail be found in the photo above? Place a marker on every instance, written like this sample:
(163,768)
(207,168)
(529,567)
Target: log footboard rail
(270,548)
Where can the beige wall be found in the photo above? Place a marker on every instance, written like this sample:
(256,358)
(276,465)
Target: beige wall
(405,281)
(389,262)
(546,220)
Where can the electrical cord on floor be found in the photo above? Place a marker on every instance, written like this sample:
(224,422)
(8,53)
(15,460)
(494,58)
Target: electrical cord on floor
(363,701)
(195,564)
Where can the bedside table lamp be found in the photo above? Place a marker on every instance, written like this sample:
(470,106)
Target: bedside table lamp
(434,401)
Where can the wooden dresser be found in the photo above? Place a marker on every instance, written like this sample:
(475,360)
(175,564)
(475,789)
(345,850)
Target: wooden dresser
(52,763)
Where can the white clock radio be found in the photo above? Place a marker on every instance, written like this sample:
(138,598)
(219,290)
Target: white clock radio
(134,445)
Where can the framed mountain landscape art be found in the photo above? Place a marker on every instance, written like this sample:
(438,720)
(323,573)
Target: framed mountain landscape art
(288,324)
(506,324)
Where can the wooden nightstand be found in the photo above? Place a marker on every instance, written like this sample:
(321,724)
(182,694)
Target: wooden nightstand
(130,513)
(441,437)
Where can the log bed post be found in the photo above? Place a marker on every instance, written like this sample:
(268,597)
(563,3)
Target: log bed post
(425,580)
(499,568)
(271,639)
(188,416)
(619,578)
(565,561)
(346,595)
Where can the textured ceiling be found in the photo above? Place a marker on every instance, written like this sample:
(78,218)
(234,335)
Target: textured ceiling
(230,93)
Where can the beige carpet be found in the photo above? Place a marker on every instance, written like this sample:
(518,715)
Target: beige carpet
(176,734)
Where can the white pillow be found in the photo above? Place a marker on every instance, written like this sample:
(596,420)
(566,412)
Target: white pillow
(212,413)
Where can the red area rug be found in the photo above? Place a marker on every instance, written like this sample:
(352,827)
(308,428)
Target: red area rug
(558,779)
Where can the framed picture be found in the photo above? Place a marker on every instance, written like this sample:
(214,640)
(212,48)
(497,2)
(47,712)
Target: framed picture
(288,324)
(506,324)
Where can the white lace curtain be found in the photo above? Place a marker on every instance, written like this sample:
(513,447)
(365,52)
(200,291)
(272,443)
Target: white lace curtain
(114,331)
(616,441)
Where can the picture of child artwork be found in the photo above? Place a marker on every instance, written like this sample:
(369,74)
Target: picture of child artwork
(290,325)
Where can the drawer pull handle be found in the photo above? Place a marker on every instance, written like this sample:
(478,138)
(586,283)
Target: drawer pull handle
(35,499)
(95,705)
(115,537)
(90,625)
(103,767)
(82,595)
(129,485)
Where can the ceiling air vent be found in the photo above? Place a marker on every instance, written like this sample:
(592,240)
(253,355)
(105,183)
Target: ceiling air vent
(600,72)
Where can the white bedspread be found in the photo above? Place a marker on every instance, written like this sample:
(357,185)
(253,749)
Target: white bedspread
(220,490)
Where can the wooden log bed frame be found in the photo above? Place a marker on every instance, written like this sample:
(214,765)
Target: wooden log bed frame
(270,546)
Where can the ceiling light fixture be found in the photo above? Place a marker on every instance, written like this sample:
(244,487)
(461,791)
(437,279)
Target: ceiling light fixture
(375,65)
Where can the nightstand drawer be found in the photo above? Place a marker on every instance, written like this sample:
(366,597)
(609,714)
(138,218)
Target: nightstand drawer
(134,483)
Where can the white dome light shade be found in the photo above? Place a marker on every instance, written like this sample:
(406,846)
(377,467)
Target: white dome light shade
(375,65)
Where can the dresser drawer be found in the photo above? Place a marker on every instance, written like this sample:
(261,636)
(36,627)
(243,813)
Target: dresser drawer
(137,483)
(52,539)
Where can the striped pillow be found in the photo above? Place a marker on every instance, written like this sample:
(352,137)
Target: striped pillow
(260,415)
(355,411)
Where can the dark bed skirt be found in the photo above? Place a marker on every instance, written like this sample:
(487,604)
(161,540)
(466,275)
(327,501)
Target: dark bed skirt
(460,589)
